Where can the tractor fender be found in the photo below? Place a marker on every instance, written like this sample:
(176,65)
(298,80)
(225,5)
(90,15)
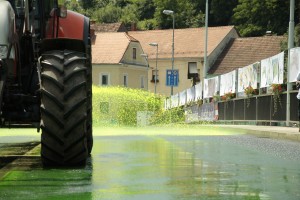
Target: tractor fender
(62,44)
(7,26)
(74,26)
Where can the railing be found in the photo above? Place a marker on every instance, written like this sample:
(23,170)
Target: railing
(259,109)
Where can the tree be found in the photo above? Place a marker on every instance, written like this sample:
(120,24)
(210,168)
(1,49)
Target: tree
(108,14)
(74,5)
(184,12)
(255,17)
(221,12)
(130,14)
(87,4)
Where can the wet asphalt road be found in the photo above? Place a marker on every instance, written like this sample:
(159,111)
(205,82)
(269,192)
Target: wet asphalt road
(166,167)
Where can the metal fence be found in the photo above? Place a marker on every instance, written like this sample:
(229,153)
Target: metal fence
(259,109)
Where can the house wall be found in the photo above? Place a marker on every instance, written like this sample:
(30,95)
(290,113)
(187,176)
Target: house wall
(180,64)
(128,55)
(116,74)
(134,69)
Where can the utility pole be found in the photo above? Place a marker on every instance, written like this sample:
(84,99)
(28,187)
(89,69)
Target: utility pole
(290,46)
(206,38)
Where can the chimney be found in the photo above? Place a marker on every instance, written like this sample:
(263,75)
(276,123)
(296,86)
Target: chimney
(133,26)
(269,33)
(93,35)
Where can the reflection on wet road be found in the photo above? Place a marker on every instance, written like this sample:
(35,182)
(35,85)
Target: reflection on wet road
(168,167)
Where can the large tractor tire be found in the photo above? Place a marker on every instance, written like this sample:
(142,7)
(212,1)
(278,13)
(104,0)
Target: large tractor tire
(89,125)
(64,108)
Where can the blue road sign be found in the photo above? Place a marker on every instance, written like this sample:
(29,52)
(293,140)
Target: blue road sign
(172,78)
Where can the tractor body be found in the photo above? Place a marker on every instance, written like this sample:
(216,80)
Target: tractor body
(45,77)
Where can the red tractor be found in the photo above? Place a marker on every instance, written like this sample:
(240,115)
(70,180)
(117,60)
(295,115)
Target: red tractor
(46,77)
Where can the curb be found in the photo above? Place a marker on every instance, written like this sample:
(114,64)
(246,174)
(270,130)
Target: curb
(269,132)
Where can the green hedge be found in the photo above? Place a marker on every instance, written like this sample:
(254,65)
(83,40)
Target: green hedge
(119,105)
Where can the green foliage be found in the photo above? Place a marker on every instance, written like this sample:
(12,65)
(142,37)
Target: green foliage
(130,14)
(184,11)
(119,105)
(175,115)
(107,14)
(148,24)
(255,17)
(251,17)
(284,43)
(74,5)
(221,12)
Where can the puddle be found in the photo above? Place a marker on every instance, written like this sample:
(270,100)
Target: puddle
(164,167)
(11,152)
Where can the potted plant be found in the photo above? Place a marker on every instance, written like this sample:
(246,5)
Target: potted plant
(228,96)
(249,92)
(276,90)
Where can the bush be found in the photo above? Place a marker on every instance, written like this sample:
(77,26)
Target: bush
(174,115)
(119,105)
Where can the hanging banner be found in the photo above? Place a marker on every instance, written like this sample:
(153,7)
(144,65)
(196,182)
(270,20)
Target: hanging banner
(167,103)
(198,91)
(265,70)
(182,98)
(272,70)
(227,83)
(207,112)
(175,100)
(294,64)
(190,94)
(210,87)
(247,76)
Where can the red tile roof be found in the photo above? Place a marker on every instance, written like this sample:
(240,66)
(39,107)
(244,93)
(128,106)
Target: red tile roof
(189,43)
(241,52)
(110,47)
(110,27)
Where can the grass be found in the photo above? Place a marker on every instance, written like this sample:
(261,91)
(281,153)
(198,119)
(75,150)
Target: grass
(115,113)
(176,130)
(171,129)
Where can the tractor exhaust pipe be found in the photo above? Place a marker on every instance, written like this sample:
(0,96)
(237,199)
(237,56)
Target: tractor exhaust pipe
(27,21)
(1,65)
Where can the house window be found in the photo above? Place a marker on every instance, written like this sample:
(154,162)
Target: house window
(192,70)
(155,76)
(134,53)
(104,79)
(142,82)
(125,80)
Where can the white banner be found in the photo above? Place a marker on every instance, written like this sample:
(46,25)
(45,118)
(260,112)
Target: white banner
(294,64)
(272,70)
(167,103)
(190,94)
(182,98)
(198,91)
(210,87)
(227,83)
(175,100)
(247,76)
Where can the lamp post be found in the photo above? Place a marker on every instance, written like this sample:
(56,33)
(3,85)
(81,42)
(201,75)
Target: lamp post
(155,80)
(206,38)
(170,12)
(146,58)
(290,46)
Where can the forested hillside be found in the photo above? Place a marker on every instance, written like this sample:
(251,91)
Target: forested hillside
(251,17)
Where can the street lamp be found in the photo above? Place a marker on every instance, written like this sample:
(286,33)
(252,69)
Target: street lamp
(155,80)
(171,12)
(146,58)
